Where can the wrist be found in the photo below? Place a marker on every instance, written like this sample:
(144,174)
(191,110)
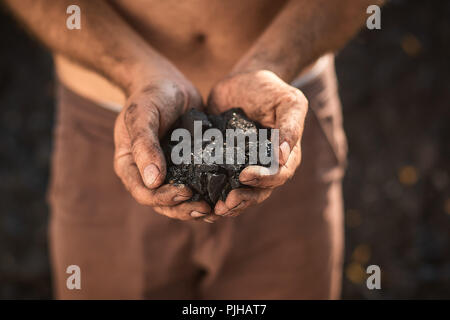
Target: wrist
(140,69)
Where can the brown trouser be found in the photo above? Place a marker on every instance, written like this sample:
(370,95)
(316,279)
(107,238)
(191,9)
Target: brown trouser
(289,247)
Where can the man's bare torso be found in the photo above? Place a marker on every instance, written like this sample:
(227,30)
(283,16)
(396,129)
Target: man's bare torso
(203,38)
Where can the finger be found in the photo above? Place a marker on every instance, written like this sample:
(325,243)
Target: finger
(127,171)
(261,177)
(211,218)
(185,210)
(290,118)
(166,195)
(240,199)
(142,123)
(235,211)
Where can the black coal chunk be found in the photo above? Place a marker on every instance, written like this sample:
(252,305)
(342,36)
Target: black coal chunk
(214,184)
(187,120)
(209,182)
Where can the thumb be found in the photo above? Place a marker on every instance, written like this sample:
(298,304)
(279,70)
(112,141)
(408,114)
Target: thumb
(290,118)
(142,123)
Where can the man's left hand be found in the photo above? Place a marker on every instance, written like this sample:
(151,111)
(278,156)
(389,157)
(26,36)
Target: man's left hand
(273,103)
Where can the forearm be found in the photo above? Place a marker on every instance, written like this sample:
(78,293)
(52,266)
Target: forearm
(105,43)
(302,32)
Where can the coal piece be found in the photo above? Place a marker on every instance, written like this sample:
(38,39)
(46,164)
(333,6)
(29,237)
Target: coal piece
(209,182)
(215,183)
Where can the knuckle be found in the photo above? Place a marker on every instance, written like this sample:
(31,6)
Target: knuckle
(139,145)
(290,132)
(136,112)
(143,149)
(295,97)
(265,74)
(162,94)
(298,93)
(301,98)
(177,95)
(290,97)
(130,114)
(153,114)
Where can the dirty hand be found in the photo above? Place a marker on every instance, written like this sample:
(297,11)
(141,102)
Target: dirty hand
(152,107)
(275,104)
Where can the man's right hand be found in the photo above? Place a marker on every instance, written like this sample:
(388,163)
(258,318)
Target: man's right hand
(157,93)
(152,107)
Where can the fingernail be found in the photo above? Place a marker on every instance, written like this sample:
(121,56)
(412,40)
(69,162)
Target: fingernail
(285,150)
(207,220)
(181,198)
(196,214)
(151,172)
(251,181)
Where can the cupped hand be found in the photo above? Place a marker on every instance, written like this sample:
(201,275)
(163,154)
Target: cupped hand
(152,107)
(275,104)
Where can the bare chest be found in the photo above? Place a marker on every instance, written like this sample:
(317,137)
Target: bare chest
(192,26)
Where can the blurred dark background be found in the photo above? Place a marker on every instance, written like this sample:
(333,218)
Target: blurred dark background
(395,88)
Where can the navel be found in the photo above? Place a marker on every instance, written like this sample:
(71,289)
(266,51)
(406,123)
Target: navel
(200,38)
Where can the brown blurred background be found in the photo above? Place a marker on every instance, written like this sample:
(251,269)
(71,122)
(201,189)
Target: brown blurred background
(395,88)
